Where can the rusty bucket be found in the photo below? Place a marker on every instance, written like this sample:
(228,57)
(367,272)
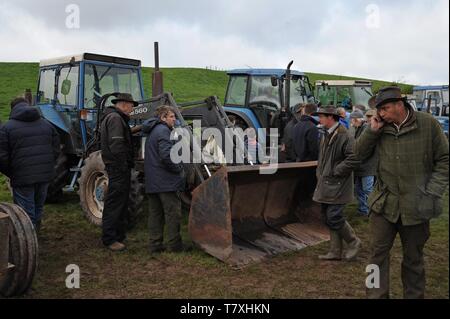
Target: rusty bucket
(241,216)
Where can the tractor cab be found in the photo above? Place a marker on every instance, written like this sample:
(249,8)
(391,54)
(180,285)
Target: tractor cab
(70,88)
(343,93)
(434,100)
(255,95)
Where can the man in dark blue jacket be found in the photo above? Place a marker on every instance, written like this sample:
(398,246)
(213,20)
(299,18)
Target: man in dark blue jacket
(29,147)
(306,136)
(163,181)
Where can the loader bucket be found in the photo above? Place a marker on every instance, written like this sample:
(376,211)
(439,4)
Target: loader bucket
(241,216)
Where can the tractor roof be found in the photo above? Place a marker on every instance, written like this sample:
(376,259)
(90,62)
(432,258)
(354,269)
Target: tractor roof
(89,57)
(430,87)
(344,82)
(263,72)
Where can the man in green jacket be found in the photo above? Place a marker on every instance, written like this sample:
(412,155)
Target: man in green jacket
(412,176)
(335,183)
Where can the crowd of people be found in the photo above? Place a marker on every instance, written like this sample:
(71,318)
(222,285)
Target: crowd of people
(394,159)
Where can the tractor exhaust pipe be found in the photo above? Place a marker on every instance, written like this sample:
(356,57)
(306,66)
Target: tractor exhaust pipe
(157,76)
(287,87)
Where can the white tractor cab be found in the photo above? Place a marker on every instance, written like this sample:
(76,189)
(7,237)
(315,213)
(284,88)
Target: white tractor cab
(434,100)
(343,93)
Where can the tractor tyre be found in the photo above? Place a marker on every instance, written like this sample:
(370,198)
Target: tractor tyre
(93,185)
(62,173)
(23,252)
(135,201)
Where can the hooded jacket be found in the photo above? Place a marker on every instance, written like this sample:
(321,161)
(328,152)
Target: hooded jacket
(161,174)
(29,147)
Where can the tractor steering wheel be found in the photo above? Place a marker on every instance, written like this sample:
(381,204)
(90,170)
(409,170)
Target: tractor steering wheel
(268,103)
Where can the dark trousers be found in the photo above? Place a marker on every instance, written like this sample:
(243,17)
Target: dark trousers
(333,215)
(31,198)
(116,205)
(164,208)
(413,238)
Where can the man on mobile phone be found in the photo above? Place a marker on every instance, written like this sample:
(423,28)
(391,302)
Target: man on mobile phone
(412,177)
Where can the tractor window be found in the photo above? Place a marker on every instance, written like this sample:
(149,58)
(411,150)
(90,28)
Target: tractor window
(445,96)
(344,98)
(100,80)
(237,89)
(46,86)
(68,86)
(262,90)
(419,97)
(299,91)
(325,94)
(362,95)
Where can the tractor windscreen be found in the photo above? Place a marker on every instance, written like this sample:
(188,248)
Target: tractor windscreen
(236,92)
(100,80)
(325,94)
(262,90)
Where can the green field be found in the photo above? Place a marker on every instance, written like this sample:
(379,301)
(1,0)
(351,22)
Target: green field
(67,238)
(186,84)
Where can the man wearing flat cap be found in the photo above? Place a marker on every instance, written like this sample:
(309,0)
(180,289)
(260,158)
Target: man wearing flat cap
(412,176)
(118,156)
(335,184)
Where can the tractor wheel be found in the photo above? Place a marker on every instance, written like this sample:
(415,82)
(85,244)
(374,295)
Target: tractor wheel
(135,201)
(93,185)
(23,252)
(62,170)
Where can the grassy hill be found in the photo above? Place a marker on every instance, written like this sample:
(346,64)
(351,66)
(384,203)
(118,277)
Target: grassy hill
(185,83)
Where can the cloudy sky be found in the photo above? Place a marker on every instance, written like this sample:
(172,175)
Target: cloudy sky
(406,41)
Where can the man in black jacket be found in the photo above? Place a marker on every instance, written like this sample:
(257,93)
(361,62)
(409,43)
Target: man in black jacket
(29,147)
(306,136)
(118,156)
(163,182)
(287,145)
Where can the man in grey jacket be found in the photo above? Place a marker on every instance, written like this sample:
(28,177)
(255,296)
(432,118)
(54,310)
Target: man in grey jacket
(335,183)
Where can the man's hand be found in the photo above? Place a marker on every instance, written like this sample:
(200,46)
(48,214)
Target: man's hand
(136,129)
(376,123)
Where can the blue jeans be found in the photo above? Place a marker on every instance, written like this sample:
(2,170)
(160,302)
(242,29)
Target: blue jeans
(363,187)
(31,198)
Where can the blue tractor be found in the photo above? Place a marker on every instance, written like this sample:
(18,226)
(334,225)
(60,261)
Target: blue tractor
(69,95)
(265,98)
(236,213)
(434,100)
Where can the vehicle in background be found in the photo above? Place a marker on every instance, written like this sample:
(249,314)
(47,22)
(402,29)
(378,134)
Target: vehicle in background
(434,100)
(254,97)
(343,93)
